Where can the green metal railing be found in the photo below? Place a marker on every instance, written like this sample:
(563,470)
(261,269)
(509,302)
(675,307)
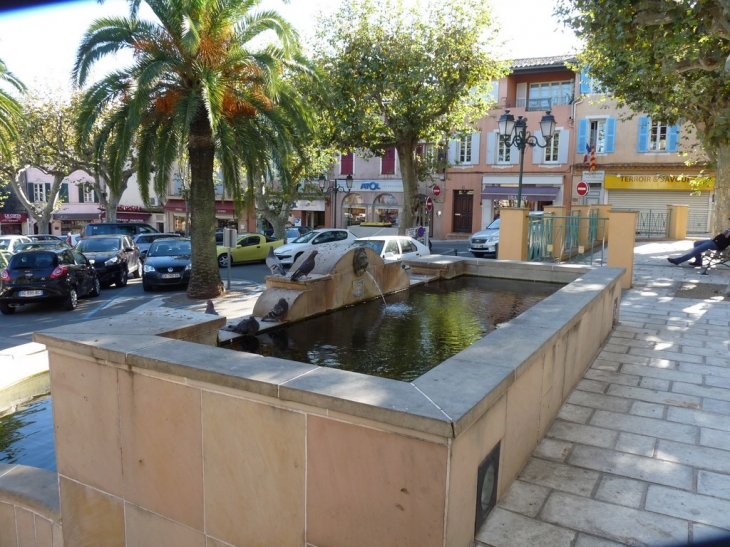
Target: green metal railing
(569,238)
(651,223)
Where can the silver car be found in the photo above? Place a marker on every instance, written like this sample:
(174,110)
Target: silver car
(485,242)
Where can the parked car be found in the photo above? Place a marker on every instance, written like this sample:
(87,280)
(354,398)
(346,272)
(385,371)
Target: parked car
(47,237)
(249,248)
(57,274)
(167,263)
(300,231)
(393,248)
(330,237)
(127,228)
(47,244)
(486,242)
(10,243)
(4,259)
(143,241)
(72,239)
(115,257)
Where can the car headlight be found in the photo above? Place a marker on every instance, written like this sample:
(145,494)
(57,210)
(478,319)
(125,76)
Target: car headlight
(188,266)
(112,261)
(492,239)
(148,269)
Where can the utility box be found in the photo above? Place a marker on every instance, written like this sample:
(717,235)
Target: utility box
(230,236)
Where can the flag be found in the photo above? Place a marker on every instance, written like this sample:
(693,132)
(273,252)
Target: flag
(588,151)
(593,160)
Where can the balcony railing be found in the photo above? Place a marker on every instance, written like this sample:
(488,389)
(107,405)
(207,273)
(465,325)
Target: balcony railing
(543,103)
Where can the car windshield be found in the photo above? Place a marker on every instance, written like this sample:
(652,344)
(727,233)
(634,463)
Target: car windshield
(104,245)
(4,244)
(173,248)
(292,233)
(375,244)
(306,238)
(31,260)
(494,225)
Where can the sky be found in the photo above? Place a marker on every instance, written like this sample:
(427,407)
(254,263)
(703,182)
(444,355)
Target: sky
(38,43)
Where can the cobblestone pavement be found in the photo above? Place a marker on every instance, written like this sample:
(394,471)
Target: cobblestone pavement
(640,452)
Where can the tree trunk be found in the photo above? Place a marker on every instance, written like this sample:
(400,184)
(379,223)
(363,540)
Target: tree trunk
(721,217)
(205,278)
(407,165)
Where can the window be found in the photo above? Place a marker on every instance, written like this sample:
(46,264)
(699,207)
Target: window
(88,194)
(39,192)
(597,135)
(545,95)
(464,149)
(552,149)
(503,154)
(657,136)
(392,246)
(464,153)
(346,164)
(387,162)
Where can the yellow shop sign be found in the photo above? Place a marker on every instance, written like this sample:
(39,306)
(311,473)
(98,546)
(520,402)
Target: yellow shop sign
(648,182)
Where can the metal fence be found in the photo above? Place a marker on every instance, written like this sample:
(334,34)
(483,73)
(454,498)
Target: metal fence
(573,238)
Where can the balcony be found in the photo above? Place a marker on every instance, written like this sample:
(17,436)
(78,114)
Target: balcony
(543,103)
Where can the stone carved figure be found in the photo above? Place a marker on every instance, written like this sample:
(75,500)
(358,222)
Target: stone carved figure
(359,261)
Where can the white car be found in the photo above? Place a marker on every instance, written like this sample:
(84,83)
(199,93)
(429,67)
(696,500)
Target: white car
(393,248)
(10,243)
(324,238)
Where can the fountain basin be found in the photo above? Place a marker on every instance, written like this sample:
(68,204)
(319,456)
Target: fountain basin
(195,440)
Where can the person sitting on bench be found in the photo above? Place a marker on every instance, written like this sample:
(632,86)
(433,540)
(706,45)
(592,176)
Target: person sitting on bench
(718,243)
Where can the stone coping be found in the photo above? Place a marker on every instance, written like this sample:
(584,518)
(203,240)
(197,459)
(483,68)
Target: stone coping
(32,488)
(443,401)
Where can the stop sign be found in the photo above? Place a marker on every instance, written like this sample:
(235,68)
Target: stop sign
(436,191)
(582,188)
(429,203)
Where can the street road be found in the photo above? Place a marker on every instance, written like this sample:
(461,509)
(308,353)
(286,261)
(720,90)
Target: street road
(18,328)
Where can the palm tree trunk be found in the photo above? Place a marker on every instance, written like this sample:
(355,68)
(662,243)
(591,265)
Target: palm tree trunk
(205,279)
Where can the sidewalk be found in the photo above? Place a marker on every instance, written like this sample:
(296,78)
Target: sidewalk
(640,452)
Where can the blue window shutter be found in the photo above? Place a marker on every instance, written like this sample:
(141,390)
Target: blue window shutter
(94,197)
(475,142)
(585,84)
(643,142)
(563,146)
(538,155)
(48,192)
(63,193)
(673,138)
(514,155)
(491,148)
(453,144)
(610,135)
(582,136)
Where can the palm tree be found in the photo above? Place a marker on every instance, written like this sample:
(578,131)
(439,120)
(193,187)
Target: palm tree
(197,82)
(10,109)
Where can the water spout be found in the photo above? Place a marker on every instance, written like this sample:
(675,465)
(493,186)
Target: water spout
(378,286)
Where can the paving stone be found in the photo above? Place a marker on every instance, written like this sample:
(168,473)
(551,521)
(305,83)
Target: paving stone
(640,445)
(613,377)
(644,426)
(622,524)
(631,466)
(654,384)
(584,434)
(524,498)
(650,396)
(717,381)
(713,484)
(719,362)
(673,355)
(592,386)
(718,407)
(559,476)
(620,491)
(616,346)
(551,449)
(663,363)
(585,540)
(506,529)
(603,364)
(702,533)
(626,357)
(709,351)
(705,369)
(595,400)
(686,505)
(640,343)
(715,438)
(700,418)
(649,410)
(702,391)
(662,374)
(574,413)
(701,457)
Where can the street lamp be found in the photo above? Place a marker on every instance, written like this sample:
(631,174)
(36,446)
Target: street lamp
(514,133)
(334,189)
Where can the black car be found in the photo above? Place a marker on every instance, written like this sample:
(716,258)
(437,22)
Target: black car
(114,256)
(167,264)
(53,274)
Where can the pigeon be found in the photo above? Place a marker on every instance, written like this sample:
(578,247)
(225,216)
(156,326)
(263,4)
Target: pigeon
(305,267)
(274,264)
(278,311)
(210,308)
(249,325)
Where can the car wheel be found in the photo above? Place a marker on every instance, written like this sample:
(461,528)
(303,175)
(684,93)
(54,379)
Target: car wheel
(123,277)
(96,289)
(146,286)
(6,310)
(72,300)
(138,272)
(223,261)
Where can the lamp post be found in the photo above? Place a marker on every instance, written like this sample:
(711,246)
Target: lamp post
(334,189)
(514,133)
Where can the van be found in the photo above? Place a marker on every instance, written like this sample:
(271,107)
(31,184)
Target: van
(126,228)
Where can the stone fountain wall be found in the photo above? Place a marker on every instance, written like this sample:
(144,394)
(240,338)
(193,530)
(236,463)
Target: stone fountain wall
(162,441)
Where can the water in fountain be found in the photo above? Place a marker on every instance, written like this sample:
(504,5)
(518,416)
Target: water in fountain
(378,286)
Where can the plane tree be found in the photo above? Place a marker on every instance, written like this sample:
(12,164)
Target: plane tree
(668,58)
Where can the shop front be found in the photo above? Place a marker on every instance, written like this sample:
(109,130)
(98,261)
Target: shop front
(372,202)
(67,222)
(176,215)
(308,212)
(538,191)
(12,223)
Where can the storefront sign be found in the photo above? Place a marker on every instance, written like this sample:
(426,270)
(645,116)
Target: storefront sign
(376,186)
(13,218)
(649,182)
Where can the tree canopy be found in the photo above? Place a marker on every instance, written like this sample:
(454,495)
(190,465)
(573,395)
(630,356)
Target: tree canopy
(667,58)
(10,108)
(399,77)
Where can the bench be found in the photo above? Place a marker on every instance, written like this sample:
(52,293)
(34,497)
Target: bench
(712,259)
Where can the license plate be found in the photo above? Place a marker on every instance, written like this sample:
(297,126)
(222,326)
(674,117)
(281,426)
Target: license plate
(170,276)
(478,246)
(30,293)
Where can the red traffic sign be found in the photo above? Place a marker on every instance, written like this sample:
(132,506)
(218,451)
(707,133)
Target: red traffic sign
(582,188)
(429,204)
(436,191)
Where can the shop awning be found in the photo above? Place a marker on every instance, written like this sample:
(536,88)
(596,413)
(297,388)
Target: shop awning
(75,216)
(178,206)
(13,218)
(129,217)
(530,193)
